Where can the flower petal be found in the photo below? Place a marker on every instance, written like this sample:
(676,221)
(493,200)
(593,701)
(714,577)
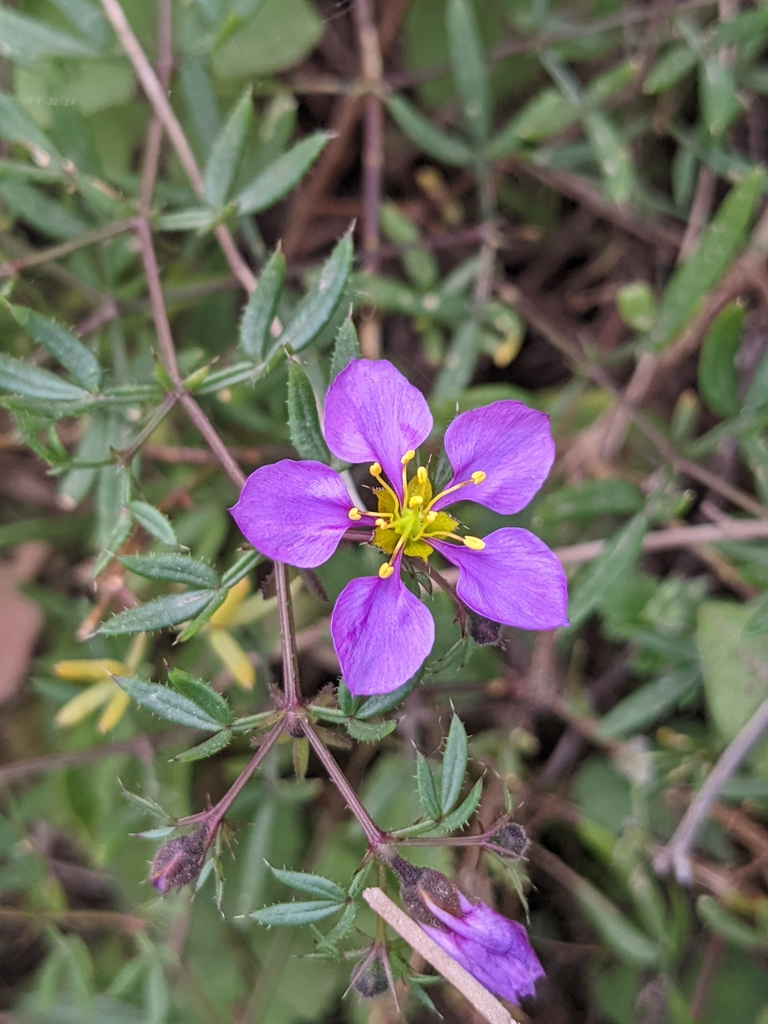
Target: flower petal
(507,441)
(381,632)
(492,948)
(294,512)
(515,579)
(372,414)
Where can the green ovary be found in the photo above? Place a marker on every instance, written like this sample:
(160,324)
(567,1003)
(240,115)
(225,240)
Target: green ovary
(412,521)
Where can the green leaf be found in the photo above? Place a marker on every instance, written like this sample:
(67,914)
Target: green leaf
(469,69)
(757,624)
(733,664)
(238,373)
(620,554)
(314,885)
(636,305)
(369,732)
(201,694)
(227,151)
(733,929)
(26,39)
(465,810)
(207,748)
(619,933)
(673,65)
(419,264)
(460,361)
(717,372)
(454,765)
(345,700)
(153,521)
(384,702)
(196,218)
(159,613)
(261,308)
(315,311)
(303,419)
(275,181)
(425,783)
(296,913)
(114,541)
(717,89)
(174,567)
(694,279)
(346,349)
(589,499)
(166,703)
(648,704)
(612,154)
(245,563)
(391,296)
(447,149)
(35,208)
(17,126)
(22,379)
(217,599)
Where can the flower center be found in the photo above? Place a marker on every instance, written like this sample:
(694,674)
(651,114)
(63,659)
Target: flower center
(407,527)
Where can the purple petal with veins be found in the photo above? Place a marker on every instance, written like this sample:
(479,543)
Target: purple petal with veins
(372,414)
(507,441)
(381,632)
(515,579)
(294,512)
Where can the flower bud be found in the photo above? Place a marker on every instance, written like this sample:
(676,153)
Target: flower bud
(422,888)
(179,861)
(372,981)
(509,841)
(484,632)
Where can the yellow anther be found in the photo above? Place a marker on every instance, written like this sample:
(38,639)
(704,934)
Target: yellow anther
(474,543)
(415,501)
(385,571)
(478,476)
(375,469)
(407,457)
(382,524)
(355,515)
(431,517)
(421,475)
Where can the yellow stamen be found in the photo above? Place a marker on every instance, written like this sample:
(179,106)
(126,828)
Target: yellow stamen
(410,454)
(415,501)
(386,570)
(476,478)
(376,472)
(431,517)
(421,475)
(355,515)
(473,543)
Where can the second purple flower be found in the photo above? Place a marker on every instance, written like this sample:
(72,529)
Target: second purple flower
(298,512)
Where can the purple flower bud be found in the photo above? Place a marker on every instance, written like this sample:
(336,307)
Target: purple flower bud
(494,950)
(179,861)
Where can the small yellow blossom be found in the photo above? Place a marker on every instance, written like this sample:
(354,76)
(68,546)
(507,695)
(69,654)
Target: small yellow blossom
(103,691)
(226,647)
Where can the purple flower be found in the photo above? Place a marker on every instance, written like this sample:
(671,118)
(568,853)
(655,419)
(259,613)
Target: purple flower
(492,948)
(297,512)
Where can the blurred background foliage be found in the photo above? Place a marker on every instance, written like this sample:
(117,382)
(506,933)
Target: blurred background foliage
(570,213)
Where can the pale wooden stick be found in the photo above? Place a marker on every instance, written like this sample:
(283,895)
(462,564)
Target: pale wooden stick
(478,995)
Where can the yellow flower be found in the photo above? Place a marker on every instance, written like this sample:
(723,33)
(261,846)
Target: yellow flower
(103,691)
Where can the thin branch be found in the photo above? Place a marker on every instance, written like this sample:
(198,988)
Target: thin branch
(372,832)
(676,855)
(159,101)
(55,252)
(140,746)
(674,537)
(155,133)
(291,687)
